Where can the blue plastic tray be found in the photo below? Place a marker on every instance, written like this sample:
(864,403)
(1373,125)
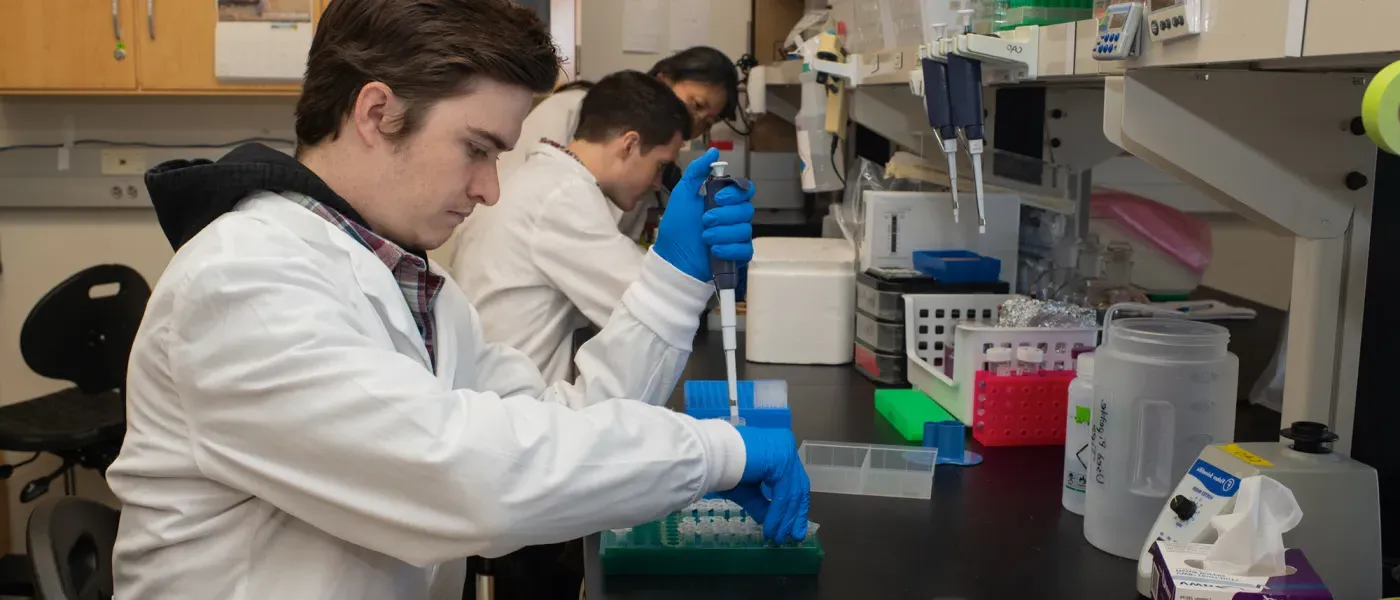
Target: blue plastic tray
(957,266)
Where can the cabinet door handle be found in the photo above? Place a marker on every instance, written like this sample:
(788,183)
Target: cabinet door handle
(116,20)
(151,18)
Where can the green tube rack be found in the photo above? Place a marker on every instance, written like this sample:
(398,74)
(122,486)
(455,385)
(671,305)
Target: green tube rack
(659,548)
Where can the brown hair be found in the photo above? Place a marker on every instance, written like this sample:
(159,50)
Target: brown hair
(632,101)
(424,50)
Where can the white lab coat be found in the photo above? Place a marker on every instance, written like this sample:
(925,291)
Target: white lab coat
(556,118)
(287,440)
(547,260)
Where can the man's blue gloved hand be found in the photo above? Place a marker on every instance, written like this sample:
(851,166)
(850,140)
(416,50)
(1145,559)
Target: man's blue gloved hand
(772,463)
(688,234)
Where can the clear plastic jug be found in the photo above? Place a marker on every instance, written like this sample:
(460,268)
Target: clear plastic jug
(1163,390)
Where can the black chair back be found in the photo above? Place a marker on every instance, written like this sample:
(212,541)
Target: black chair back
(82,330)
(70,544)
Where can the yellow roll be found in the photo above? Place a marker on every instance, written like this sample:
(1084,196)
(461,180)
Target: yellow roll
(1380,109)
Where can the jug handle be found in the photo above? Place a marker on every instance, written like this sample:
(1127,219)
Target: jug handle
(1151,460)
(1137,306)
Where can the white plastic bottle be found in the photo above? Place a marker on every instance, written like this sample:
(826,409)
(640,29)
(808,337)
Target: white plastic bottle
(1081,399)
(820,163)
(1164,389)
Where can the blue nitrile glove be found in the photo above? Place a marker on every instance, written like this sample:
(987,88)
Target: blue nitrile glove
(688,234)
(772,463)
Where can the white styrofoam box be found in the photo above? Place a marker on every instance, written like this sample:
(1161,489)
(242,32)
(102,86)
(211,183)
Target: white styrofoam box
(898,223)
(777,177)
(928,338)
(1153,270)
(801,301)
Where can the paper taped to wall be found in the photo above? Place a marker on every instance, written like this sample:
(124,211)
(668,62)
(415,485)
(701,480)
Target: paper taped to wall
(690,24)
(641,26)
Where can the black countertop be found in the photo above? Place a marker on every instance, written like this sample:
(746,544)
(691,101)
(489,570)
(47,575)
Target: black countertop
(995,531)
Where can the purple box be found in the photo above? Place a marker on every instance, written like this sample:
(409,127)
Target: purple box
(1179,575)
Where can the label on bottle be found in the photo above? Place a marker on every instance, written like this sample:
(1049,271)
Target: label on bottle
(1098,442)
(804,157)
(1077,455)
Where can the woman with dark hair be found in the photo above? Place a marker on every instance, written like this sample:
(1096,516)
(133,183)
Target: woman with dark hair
(702,77)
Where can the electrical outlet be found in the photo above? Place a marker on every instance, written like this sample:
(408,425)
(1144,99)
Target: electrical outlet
(123,161)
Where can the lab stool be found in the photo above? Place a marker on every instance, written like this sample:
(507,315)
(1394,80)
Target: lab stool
(80,331)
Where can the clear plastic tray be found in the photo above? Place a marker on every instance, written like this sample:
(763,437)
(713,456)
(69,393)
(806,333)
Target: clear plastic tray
(869,469)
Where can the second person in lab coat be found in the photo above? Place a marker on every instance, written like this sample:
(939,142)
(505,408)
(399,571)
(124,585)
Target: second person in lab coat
(558,260)
(702,77)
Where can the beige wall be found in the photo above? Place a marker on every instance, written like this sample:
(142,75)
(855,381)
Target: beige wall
(1250,261)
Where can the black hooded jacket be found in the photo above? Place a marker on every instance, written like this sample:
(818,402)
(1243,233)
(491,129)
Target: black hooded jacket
(189,194)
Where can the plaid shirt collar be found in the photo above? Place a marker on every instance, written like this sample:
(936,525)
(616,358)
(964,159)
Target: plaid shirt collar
(420,286)
(562,148)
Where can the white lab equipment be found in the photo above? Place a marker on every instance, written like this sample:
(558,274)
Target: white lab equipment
(818,149)
(1119,31)
(1339,497)
(895,224)
(801,301)
(1163,390)
(1182,18)
(756,90)
(1078,409)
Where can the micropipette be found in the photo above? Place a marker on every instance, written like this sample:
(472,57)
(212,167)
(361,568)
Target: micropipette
(965,96)
(965,93)
(726,274)
(936,103)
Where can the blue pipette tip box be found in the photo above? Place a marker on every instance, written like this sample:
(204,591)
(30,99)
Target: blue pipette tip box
(710,400)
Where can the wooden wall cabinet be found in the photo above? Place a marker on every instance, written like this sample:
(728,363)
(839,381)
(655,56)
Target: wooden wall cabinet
(70,46)
(67,45)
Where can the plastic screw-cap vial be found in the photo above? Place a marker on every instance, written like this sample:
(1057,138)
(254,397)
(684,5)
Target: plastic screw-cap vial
(1029,358)
(1000,359)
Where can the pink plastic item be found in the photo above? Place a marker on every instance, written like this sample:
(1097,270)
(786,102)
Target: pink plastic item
(1182,236)
(1020,410)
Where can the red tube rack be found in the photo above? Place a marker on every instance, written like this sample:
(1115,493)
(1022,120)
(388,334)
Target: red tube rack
(1020,410)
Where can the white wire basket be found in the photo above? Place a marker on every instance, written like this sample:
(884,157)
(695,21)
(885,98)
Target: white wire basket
(939,339)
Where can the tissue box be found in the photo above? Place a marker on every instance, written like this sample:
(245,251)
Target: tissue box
(1179,575)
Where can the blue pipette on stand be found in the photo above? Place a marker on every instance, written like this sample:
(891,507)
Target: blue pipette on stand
(726,275)
(965,92)
(940,118)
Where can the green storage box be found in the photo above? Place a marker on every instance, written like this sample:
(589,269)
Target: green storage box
(908,410)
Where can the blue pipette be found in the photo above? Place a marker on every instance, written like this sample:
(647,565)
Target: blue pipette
(726,275)
(940,116)
(965,95)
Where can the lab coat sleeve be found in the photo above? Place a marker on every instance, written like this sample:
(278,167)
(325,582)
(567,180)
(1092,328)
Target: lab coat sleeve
(578,247)
(638,355)
(291,397)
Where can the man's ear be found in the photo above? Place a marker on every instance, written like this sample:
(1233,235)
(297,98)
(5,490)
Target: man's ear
(378,112)
(631,143)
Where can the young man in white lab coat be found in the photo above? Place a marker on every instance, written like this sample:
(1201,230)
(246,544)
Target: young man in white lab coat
(558,260)
(312,412)
(704,79)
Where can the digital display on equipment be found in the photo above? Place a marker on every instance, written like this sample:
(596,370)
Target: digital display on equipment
(1117,20)
(1161,4)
